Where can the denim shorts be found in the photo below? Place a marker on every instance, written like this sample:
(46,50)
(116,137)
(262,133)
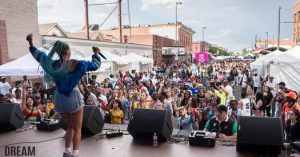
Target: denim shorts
(70,104)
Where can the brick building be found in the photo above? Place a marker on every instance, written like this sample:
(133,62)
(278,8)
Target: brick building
(162,35)
(200,46)
(17,19)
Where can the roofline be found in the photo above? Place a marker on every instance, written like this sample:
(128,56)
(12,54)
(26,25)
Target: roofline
(94,40)
(56,24)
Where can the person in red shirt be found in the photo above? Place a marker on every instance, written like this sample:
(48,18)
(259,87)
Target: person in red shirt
(290,105)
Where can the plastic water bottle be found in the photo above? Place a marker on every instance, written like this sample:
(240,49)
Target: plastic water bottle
(155,144)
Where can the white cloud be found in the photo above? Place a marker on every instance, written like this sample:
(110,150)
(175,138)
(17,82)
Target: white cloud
(231,8)
(220,34)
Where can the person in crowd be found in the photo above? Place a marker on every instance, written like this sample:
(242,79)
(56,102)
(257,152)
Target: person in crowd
(186,96)
(18,85)
(18,97)
(50,112)
(153,101)
(66,74)
(116,113)
(4,86)
(220,92)
(184,121)
(194,111)
(143,103)
(150,87)
(26,82)
(267,100)
(246,104)
(228,88)
(258,108)
(29,91)
(225,128)
(30,112)
(194,88)
(292,128)
(278,103)
(167,103)
(112,80)
(291,104)
(256,81)
(234,110)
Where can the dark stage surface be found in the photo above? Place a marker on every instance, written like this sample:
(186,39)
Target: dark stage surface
(123,146)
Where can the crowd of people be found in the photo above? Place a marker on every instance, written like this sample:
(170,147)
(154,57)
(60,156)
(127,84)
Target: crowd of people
(204,96)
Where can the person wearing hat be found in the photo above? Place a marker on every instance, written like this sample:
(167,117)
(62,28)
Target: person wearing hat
(226,128)
(291,104)
(4,86)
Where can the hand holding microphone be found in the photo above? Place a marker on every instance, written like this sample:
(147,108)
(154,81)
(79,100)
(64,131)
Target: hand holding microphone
(96,50)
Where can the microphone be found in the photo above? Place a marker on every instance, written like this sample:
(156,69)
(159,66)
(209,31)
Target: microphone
(96,49)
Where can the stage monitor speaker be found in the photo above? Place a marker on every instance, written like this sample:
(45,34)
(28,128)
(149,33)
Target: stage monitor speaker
(259,134)
(11,117)
(92,122)
(144,123)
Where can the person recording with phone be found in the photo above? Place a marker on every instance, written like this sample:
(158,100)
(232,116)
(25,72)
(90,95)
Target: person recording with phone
(66,73)
(184,121)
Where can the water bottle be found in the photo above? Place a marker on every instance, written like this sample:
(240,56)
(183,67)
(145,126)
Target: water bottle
(155,144)
(42,117)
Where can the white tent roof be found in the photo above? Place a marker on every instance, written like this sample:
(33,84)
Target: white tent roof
(109,55)
(27,65)
(132,57)
(265,59)
(290,56)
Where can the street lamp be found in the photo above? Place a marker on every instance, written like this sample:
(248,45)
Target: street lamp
(176,42)
(203,28)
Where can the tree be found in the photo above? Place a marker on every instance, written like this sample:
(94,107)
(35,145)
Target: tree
(219,51)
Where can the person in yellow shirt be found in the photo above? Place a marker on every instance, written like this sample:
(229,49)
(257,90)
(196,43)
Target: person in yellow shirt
(49,108)
(116,113)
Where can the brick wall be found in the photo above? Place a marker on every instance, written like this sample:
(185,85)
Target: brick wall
(21,18)
(3,42)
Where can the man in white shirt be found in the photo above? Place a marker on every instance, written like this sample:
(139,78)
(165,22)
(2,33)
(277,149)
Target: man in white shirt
(271,84)
(256,82)
(228,88)
(4,86)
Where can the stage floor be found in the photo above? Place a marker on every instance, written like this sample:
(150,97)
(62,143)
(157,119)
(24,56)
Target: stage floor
(123,146)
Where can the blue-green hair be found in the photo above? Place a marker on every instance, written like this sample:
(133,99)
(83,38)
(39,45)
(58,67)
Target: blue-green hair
(53,73)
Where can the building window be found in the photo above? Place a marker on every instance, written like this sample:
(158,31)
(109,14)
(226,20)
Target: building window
(125,39)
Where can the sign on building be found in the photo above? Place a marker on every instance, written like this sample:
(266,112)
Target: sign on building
(173,51)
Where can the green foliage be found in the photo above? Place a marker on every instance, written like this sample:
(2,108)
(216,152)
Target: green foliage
(245,52)
(219,51)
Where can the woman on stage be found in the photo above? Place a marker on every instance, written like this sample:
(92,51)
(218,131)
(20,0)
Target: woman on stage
(66,74)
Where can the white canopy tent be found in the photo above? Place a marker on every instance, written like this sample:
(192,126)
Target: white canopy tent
(27,65)
(262,64)
(138,62)
(286,68)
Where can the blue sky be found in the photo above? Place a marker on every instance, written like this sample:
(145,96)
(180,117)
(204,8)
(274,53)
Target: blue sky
(230,23)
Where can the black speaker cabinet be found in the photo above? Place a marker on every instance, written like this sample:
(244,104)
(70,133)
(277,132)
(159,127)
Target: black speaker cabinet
(11,117)
(259,134)
(144,123)
(92,122)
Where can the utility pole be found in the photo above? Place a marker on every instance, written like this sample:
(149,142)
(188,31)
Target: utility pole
(176,31)
(86,5)
(255,41)
(120,19)
(278,37)
(267,41)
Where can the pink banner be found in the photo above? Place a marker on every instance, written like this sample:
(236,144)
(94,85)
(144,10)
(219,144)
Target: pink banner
(201,57)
